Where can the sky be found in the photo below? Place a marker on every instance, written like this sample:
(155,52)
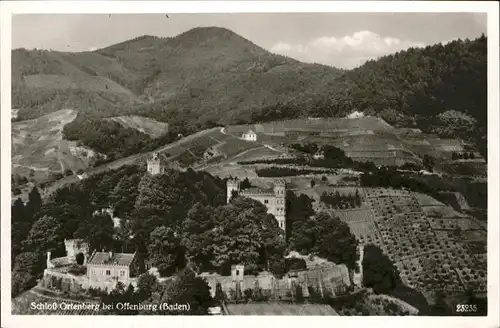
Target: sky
(343,40)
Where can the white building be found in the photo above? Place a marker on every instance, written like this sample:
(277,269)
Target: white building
(249,136)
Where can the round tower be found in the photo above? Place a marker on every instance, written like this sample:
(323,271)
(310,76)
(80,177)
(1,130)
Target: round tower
(232,185)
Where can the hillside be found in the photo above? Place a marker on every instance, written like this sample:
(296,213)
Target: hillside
(166,74)
(142,124)
(39,150)
(209,76)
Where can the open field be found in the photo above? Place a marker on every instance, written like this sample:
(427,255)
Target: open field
(142,124)
(82,82)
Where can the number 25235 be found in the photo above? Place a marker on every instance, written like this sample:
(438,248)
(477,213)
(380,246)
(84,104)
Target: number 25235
(466,307)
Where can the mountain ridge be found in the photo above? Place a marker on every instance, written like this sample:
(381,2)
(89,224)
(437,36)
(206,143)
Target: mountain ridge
(210,76)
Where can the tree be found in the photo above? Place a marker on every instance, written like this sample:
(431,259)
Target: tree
(197,236)
(164,249)
(98,230)
(45,235)
(147,284)
(124,194)
(313,183)
(379,272)
(186,288)
(20,227)
(333,240)
(34,203)
(244,232)
(333,153)
(428,162)
(26,271)
(245,184)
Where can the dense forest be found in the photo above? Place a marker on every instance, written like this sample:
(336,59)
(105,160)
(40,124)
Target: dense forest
(178,220)
(440,89)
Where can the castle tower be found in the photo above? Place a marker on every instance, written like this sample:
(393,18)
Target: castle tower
(232,185)
(237,274)
(75,247)
(155,166)
(280,194)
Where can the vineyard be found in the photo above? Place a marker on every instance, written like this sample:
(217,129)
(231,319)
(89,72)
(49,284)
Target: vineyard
(433,246)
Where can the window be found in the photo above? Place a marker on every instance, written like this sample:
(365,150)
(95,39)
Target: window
(108,272)
(237,272)
(266,201)
(122,273)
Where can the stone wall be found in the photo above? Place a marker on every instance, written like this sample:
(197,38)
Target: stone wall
(332,279)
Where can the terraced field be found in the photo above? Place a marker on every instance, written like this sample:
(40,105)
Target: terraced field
(433,246)
(84,82)
(430,253)
(38,145)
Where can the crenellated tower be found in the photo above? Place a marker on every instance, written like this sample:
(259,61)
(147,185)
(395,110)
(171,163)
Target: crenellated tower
(155,165)
(232,185)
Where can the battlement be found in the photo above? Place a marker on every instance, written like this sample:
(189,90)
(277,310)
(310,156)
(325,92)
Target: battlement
(155,164)
(280,182)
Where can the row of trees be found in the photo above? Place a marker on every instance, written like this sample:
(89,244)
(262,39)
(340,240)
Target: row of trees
(464,155)
(341,201)
(277,171)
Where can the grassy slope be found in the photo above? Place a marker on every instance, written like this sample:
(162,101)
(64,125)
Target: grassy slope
(38,145)
(183,73)
(142,124)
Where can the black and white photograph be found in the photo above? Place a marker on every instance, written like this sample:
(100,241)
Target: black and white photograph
(234,163)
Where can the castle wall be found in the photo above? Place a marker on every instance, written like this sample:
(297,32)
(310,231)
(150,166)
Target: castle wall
(333,279)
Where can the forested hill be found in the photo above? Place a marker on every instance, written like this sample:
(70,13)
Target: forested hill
(211,73)
(209,76)
(440,88)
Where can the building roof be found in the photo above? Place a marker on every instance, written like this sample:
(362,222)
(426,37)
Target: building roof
(280,309)
(116,259)
(250,132)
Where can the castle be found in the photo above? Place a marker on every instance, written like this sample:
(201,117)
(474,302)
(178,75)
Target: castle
(101,270)
(274,199)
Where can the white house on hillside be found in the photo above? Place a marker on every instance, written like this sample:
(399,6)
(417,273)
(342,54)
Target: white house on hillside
(249,136)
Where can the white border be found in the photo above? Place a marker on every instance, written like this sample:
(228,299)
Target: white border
(106,7)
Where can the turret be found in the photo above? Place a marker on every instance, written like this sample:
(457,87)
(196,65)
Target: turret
(232,185)
(280,188)
(155,166)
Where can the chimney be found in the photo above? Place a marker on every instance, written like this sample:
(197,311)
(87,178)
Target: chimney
(48,256)
(110,254)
